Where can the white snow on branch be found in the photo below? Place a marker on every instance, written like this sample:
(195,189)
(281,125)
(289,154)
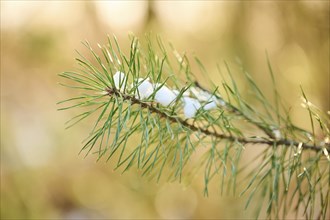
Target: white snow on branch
(200,95)
(120,80)
(210,105)
(145,88)
(277,134)
(204,96)
(164,95)
(191,106)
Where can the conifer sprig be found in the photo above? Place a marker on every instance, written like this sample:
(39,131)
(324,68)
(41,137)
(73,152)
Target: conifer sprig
(152,114)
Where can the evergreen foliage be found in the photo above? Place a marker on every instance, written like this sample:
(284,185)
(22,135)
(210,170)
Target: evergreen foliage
(150,96)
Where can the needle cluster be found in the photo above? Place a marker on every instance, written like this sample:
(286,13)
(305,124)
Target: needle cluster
(150,113)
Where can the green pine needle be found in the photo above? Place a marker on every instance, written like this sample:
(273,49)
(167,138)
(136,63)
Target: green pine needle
(160,139)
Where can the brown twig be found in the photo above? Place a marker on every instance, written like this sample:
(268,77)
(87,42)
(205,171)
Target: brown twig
(185,123)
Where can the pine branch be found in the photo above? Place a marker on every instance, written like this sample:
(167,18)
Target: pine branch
(146,116)
(206,132)
(264,129)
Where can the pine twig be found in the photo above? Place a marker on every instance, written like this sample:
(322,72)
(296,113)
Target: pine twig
(282,141)
(141,96)
(206,132)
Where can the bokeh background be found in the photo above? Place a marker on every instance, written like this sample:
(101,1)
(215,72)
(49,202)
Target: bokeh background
(42,175)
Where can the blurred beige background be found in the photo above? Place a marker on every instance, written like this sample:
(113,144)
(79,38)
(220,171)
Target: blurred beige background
(42,175)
